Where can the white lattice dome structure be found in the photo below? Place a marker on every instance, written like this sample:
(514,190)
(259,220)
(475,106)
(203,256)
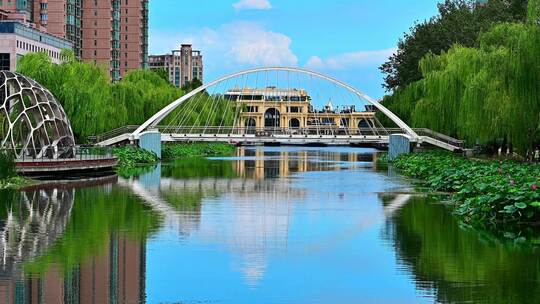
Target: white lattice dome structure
(32,122)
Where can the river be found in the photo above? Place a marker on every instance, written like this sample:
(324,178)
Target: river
(270,225)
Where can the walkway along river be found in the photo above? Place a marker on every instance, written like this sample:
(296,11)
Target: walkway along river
(270,225)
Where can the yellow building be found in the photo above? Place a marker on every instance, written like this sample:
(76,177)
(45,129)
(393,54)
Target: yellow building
(278,110)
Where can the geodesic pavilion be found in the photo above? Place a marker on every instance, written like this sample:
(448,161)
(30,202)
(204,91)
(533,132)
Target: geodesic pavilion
(32,123)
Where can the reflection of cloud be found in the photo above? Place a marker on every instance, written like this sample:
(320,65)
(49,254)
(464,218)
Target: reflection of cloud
(237,44)
(255,225)
(350,60)
(250,218)
(252,5)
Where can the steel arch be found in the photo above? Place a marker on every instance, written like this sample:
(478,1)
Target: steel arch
(158,117)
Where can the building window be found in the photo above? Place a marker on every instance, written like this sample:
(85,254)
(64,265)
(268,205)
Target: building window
(251,109)
(4,62)
(295,109)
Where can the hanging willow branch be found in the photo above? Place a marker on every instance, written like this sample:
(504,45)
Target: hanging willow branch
(486,93)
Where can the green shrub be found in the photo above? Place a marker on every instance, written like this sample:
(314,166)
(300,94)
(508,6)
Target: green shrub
(129,156)
(7,166)
(179,150)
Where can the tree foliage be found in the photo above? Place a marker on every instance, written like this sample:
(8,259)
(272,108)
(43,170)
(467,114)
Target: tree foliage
(163,73)
(94,104)
(481,94)
(458,22)
(192,85)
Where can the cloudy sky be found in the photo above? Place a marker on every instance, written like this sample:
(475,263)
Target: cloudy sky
(347,39)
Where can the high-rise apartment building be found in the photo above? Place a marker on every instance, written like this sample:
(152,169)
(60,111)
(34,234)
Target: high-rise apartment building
(183,65)
(109,32)
(116,32)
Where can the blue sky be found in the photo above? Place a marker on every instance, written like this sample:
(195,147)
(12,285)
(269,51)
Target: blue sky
(347,39)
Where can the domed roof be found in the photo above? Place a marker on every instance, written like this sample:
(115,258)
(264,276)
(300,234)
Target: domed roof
(32,122)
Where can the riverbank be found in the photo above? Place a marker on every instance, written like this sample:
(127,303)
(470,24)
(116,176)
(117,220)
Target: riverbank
(130,157)
(484,192)
(14,183)
(9,179)
(185,150)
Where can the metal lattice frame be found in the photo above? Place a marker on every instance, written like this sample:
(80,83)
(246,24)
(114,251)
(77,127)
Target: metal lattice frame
(158,117)
(32,122)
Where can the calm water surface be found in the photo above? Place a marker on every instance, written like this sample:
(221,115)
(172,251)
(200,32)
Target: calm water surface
(270,225)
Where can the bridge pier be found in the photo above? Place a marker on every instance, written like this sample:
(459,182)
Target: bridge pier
(399,144)
(151,141)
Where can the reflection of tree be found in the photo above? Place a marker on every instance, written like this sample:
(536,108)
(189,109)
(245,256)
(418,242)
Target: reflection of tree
(198,168)
(455,263)
(74,244)
(97,214)
(32,223)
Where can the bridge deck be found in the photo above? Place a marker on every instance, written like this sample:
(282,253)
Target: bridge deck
(249,139)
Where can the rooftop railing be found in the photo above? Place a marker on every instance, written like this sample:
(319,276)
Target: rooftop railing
(60,154)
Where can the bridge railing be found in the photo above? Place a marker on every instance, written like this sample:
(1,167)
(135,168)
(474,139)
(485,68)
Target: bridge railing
(441,137)
(112,134)
(328,130)
(270,131)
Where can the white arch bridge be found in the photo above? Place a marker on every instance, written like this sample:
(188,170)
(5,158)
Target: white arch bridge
(277,105)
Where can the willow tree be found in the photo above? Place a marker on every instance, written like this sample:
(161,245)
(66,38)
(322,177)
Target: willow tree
(534,12)
(488,93)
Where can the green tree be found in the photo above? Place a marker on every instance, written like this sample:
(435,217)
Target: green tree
(439,34)
(93,104)
(162,73)
(489,93)
(192,85)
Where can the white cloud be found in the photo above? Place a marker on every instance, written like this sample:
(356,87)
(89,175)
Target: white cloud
(232,46)
(252,5)
(350,60)
(253,45)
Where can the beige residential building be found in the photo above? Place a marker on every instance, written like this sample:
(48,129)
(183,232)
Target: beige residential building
(183,65)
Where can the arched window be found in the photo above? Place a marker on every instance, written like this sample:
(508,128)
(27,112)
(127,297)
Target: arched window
(365,127)
(272,118)
(294,123)
(251,125)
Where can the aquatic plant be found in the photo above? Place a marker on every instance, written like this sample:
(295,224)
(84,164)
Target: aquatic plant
(485,191)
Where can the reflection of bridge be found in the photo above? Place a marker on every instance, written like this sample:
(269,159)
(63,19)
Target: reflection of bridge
(275,106)
(258,203)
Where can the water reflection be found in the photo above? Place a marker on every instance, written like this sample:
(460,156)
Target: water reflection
(272,163)
(269,225)
(453,264)
(245,204)
(67,245)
